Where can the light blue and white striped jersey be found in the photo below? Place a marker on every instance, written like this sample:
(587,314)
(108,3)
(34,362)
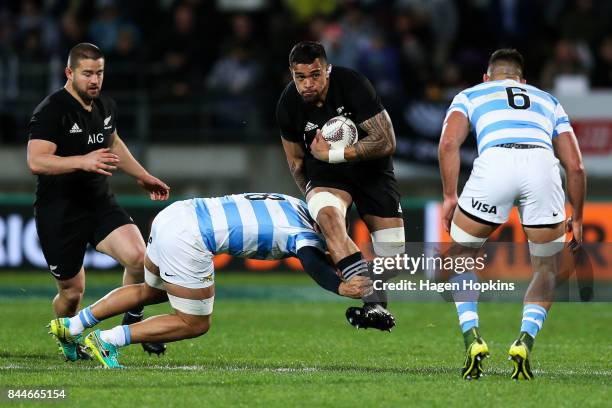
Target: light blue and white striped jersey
(256,225)
(507,111)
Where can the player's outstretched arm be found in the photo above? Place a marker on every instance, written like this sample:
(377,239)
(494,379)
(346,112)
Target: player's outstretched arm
(295,159)
(157,189)
(43,160)
(454,132)
(380,141)
(568,152)
(316,265)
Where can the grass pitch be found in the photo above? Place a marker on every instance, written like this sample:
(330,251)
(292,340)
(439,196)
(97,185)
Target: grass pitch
(279,340)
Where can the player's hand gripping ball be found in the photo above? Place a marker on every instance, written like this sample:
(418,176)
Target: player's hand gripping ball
(340,132)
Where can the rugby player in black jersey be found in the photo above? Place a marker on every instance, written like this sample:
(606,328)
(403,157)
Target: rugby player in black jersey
(73,149)
(332,180)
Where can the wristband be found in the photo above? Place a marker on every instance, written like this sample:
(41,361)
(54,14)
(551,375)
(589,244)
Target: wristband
(336,156)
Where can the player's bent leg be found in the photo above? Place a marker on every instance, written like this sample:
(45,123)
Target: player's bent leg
(350,262)
(69,330)
(192,318)
(468,235)
(388,239)
(174,327)
(546,244)
(332,222)
(113,304)
(328,208)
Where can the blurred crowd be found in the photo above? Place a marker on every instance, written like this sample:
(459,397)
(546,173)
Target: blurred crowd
(233,53)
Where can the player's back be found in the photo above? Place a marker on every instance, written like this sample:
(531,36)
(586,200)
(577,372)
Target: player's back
(256,225)
(508,111)
(515,125)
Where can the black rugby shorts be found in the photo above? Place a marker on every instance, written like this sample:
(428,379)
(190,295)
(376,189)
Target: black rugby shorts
(64,230)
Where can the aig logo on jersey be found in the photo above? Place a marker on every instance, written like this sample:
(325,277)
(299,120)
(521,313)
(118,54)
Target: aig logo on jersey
(485,208)
(95,138)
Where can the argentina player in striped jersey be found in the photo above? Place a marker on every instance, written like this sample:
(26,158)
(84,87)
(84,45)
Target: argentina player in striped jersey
(179,267)
(522,134)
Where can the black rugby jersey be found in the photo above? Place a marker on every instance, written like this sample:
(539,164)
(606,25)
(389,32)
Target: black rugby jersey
(61,119)
(350,94)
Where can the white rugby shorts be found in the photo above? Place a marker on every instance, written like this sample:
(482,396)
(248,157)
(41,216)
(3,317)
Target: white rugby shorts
(501,175)
(175,245)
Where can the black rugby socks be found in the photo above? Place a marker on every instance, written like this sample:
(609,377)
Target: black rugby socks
(353,265)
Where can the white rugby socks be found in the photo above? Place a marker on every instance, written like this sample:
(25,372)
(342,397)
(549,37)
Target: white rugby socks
(81,321)
(117,336)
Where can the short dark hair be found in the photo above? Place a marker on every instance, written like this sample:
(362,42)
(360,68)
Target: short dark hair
(510,55)
(83,51)
(305,52)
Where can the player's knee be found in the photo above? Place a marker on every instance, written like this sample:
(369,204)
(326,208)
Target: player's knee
(134,259)
(202,326)
(197,326)
(325,204)
(72,295)
(196,313)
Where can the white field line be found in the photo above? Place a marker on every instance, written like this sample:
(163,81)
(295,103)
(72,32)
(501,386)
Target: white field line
(409,370)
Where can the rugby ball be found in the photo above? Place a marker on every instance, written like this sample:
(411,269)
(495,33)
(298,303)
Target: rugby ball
(340,132)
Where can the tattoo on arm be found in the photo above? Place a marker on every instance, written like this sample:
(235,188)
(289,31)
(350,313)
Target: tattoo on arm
(380,141)
(297,171)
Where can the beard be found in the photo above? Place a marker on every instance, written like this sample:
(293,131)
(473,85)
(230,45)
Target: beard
(84,95)
(311,98)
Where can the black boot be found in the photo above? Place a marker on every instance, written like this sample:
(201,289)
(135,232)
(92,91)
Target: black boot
(372,315)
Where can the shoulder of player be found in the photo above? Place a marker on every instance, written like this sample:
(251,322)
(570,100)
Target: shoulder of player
(338,70)
(484,88)
(107,102)
(542,93)
(53,103)
(289,101)
(480,87)
(344,74)
(289,93)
